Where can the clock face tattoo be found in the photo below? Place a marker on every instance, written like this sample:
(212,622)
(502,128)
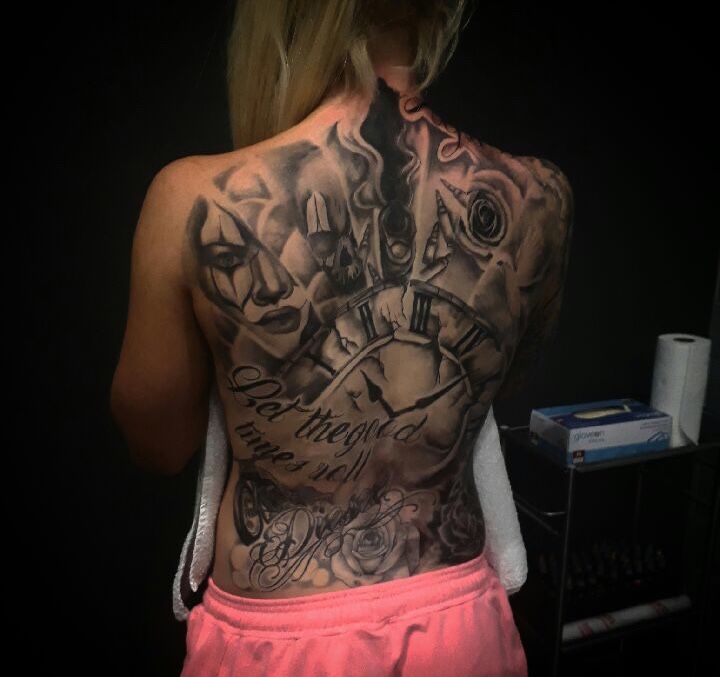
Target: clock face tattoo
(364,289)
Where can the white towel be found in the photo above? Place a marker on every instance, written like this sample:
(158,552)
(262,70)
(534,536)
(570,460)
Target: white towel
(199,546)
(504,547)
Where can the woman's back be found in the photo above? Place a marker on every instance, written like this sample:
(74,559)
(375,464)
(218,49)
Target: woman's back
(363,280)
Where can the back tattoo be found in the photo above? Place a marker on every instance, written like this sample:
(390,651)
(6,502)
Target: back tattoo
(366,290)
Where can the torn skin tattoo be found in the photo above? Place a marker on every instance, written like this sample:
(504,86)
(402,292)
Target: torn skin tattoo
(365,291)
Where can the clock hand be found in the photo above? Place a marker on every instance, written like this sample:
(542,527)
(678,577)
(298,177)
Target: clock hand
(429,399)
(376,395)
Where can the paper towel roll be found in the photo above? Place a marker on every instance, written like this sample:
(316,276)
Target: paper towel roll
(679,380)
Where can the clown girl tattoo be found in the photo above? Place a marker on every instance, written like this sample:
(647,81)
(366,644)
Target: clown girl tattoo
(368,288)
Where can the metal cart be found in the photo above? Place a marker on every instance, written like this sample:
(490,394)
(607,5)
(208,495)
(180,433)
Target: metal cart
(557,523)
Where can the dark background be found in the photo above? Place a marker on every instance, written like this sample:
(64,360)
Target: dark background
(623,103)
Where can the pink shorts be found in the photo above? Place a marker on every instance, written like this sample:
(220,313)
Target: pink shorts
(452,621)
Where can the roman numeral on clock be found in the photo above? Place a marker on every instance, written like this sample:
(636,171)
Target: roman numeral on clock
(367,321)
(420,312)
(469,340)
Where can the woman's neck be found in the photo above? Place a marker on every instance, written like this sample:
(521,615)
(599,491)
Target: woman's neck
(336,104)
(391,51)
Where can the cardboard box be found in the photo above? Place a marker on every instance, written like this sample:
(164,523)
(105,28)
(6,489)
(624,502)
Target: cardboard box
(599,431)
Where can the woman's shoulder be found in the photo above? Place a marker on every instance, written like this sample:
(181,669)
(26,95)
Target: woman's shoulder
(542,179)
(529,171)
(206,174)
(554,185)
(544,187)
(546,173)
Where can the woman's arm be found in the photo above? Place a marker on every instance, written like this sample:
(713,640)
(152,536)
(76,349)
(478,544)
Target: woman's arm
(544,316)
(160,391)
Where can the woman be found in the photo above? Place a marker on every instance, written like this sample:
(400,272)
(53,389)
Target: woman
(357,277)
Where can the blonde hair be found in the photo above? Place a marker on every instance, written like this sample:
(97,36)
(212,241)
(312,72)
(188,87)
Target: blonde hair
(285,55)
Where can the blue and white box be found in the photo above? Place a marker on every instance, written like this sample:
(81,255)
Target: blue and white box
(599,431)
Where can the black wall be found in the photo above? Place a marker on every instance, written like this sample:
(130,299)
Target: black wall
(622,102)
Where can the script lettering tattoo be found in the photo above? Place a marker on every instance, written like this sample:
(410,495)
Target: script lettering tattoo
(305,538)
(365,290)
